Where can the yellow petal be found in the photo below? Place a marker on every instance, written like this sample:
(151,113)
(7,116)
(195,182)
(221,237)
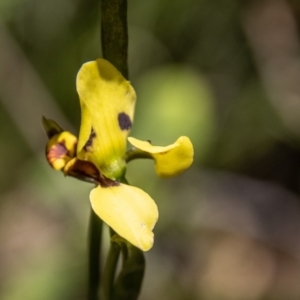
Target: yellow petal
(170,160)
(60,149)
(129,211)
(107,107)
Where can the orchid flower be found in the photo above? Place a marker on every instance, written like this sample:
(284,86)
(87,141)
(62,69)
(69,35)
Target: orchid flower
(99,154)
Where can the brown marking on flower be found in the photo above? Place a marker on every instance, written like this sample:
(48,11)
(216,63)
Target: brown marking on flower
(58,150)
(57,155)
(82,169)
(124,121)
(88,145)
(106,182)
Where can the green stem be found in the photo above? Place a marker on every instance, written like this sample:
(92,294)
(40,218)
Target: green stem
(95,235)
(114,33)
(114,41)
(135,153)
(110,270)
(129,282)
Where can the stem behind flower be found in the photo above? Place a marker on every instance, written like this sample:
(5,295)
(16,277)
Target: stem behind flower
(114,33)
(95,236)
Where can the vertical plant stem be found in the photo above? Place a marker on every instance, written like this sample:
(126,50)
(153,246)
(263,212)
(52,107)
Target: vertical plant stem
(110,270)
(114,33)
(114,41)
(95,236)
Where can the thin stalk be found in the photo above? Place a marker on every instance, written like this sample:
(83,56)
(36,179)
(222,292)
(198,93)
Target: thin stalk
(114,42)
(135,153)
(114,33)
(95,236)
(110,270)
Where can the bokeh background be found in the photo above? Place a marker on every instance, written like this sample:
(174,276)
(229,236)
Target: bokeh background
(224,73)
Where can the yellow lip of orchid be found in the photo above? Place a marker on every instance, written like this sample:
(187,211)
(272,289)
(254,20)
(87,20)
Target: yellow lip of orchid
(171,160)
(107,107)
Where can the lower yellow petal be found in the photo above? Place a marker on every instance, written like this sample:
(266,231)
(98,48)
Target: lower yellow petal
(171,160)
(129,211)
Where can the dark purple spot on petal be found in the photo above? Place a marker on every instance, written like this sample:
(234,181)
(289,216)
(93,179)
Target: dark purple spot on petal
(88,144)
(124,121)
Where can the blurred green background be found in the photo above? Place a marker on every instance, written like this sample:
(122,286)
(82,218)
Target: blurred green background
(224,73)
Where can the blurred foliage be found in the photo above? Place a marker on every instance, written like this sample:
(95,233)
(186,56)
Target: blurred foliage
(201,69)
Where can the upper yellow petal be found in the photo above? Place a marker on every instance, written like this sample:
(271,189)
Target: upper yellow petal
(170,160)
(129,211)
(107,107)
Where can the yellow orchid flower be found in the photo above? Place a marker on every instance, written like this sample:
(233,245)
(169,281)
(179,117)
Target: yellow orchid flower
(107,103)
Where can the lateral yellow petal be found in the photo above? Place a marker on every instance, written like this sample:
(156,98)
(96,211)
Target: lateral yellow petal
(107,107)
(129,211)
(148,147)
(171,160)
